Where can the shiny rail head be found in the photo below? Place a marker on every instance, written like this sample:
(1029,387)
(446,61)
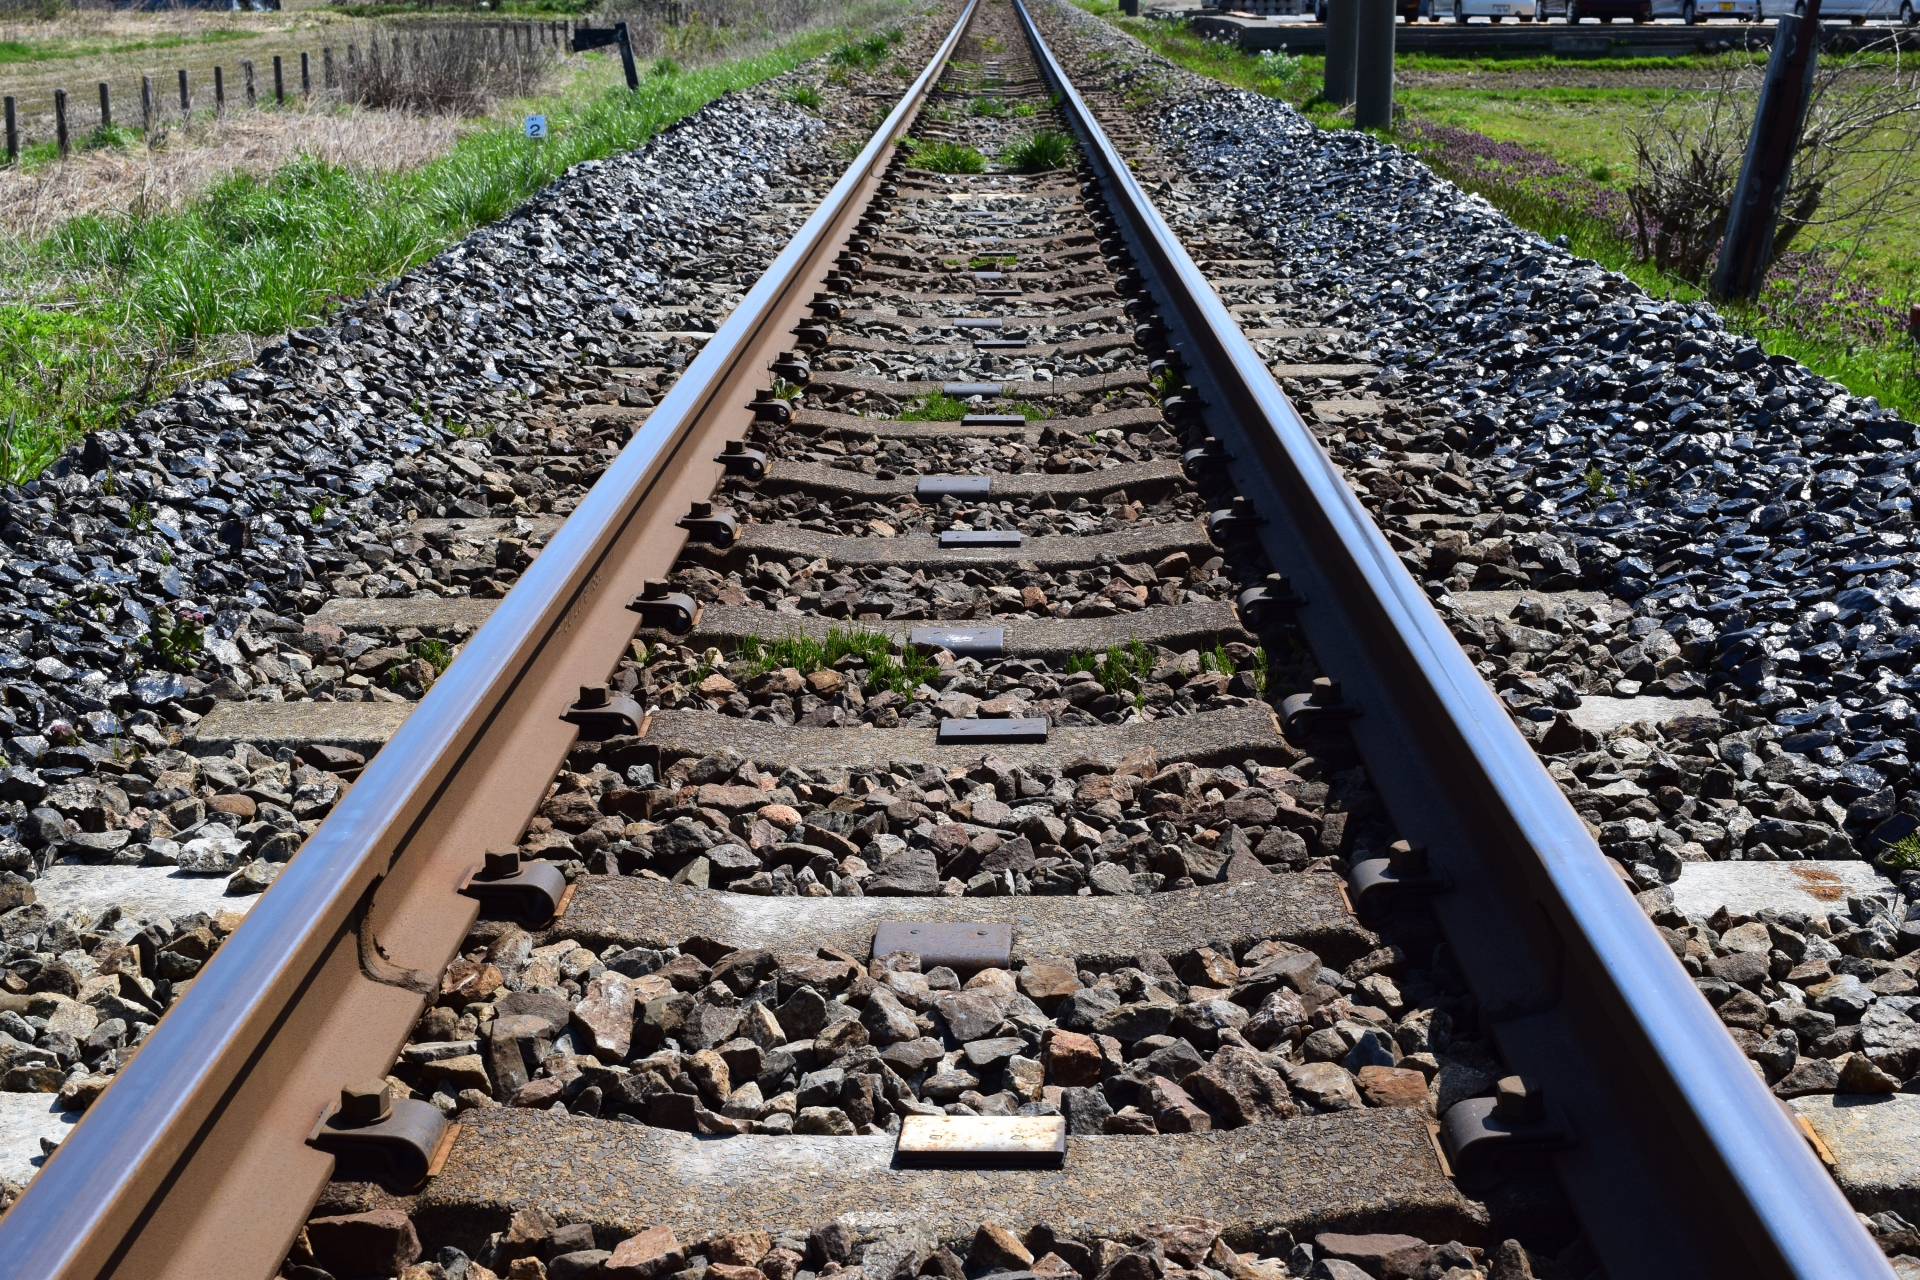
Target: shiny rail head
(1706,1103)
(104,1196)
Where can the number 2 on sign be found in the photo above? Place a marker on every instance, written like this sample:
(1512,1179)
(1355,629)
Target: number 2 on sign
(536,126)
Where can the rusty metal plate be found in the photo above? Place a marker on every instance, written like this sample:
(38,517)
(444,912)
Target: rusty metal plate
(963,642)
(991,1141)
(958,486)
(980,538)
(959,945)
(1013,729)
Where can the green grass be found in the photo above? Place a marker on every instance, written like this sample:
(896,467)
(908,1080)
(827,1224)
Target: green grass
(804,95)
(1040,151)
(1588,129)
(940,407)
(865,53)
(1122,669)
(903,672)
(944,157)
(124,304)
(18,51)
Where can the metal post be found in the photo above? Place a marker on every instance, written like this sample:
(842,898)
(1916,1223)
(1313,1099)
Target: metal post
(279,82)
(1747,250)
(1373,65)
(106,107)
(60,123)
(219,91)
(13,131)
(186,101)
(246,75)
(626,57)
(1343,21)
(1130,7)
(146,104)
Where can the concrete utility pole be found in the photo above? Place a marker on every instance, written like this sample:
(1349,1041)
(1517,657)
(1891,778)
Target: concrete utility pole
(1342,33)
(1747,249)
(1373,70)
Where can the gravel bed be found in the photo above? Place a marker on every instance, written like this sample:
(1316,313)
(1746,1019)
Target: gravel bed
(536,1247)
(174,564)
(724,1041)
(991,830)
(1739,531)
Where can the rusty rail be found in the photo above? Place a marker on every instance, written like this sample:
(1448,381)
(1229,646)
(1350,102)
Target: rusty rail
(194,1164)
(1681,1161)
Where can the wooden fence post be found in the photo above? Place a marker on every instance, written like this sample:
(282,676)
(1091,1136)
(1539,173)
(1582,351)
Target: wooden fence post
(106,107)
(60,123)
(219,91)
(146,104)
(186,102)
(13,131)
(306,74)
(279,82)
(246,74)
(326,67)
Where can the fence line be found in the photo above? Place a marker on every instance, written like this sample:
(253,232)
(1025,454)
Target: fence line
(430,58)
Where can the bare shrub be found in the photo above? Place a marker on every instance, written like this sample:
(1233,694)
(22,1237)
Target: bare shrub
(696,31)
(453,69)
(1854,164)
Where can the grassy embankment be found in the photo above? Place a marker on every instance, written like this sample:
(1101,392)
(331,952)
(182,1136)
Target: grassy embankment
(1558,159)
(108,310)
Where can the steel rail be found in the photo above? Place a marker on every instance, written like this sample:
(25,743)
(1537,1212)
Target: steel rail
(1684,1164)
(194,1163)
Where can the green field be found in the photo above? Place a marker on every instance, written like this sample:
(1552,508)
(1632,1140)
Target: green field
(107,312)
(1551,141)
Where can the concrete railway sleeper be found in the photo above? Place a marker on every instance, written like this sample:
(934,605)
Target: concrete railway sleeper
(970,704)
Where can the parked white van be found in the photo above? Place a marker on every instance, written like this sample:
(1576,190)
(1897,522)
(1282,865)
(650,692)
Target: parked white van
(1854,11)
(1491,10)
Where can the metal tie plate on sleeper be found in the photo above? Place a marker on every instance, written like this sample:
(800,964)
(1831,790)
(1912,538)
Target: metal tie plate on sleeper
(962,642)
(958,486)
(1003,1142)
(1011,729)
(962,947)
(962,390)
(980,538)
(992,420)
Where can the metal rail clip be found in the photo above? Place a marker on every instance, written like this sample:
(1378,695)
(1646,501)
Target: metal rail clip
(660,606)
(742,461)
(1380,883)
(1264,605)
(1305,712)
(376,1137)
(1489,1139)
(602,714)
(1208,456)
(1234,523)
(529,891)
(704,524)
(768,407)
(790,366)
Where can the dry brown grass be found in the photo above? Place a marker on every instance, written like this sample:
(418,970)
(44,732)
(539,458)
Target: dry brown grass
(187,161)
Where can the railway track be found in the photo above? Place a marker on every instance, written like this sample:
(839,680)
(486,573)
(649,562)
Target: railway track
(970,705)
